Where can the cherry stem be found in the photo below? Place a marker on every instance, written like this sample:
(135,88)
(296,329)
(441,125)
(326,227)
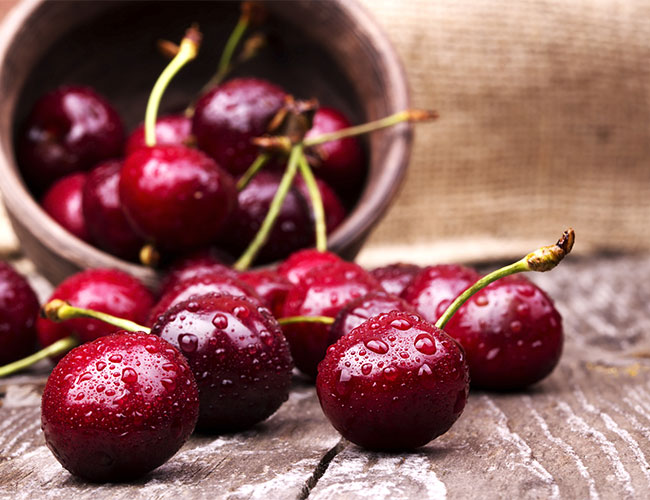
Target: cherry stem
(316,203)
(187,51)
(59,310)
(226,56)
(325,320)
(262,235)
(543,259)
(252,171)
(59,347)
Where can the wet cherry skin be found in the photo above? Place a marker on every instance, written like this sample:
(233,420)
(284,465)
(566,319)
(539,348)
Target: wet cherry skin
(270,286)
(299,263)
(198,263)
(106,290)
(18,313)
(102,210)
(69,129)
(170,129)
(227,117)
(511,332)
(394,383)
(118,407)
(63,202)
(238,355)
(435,287)
(324,291)
(394,278)
(176,197)
(360,310)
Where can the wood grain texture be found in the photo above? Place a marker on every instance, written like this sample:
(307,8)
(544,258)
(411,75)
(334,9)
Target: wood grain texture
(582,433)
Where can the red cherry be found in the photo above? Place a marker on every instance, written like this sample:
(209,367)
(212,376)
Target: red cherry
(300,263)
(334,211)
(69,129)
(62,202)
(176,197)
(106,290)
(18,313)
(360,310)
(196,264)
(230,115)
(171,129)
(270,286)
(394,278)
(511,332)
(435,287)
(103,212)
(217,282)
(324,291)
(238,354)
(341,162)
(394,383)
(117,408)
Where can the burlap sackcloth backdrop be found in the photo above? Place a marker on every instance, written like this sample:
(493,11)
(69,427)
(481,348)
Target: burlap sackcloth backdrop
(544,124)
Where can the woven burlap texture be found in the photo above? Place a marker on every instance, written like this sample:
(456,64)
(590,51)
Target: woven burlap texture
(544,124)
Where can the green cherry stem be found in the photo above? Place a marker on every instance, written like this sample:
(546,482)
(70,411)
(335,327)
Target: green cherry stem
(188,50)
(226,56)
(59,310)
(59,347)
(252,171)
(543,259)
(262,235)
(325,320)
(316,203)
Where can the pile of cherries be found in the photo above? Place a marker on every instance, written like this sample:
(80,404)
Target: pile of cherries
(214,348)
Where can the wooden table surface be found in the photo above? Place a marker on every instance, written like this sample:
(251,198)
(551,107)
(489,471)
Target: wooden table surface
(582,433)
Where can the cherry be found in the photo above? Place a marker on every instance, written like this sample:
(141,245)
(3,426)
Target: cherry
(394,383)
(270,286)
(324,291)
(511,332)
(435,287)
(218,282)
(394,278)
(340,162)
(359,310)
(196,264)
(293,227)
(238,355)
(103,212)
(69,129)
(106,290)
(171,129)
(227,117)
(334,211)
(176,197)
(299,263)
(62,202)
(118,407)
(18,313)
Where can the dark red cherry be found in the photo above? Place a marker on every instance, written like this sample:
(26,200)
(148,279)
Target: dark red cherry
(293,228)
(176,197)
(324,291)
(230,115)
(18,313)
(511,332)
(341,162)
(435,287)
(62,202)
(238,354)
(171,129)
(103,212)
(202,262)
(394,278)
(105,290)
(299,263)
(360,310)
(217,282)
(394,383)
(334,211)
(270,286)
(69,129)
(118,407)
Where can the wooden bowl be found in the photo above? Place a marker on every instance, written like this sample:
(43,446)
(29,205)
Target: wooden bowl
(330,50)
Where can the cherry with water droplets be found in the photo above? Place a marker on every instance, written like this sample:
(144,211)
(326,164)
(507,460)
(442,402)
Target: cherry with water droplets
(118,407)
(299,263)
(63,202)
(199,263)
(394,278)
(171,129)
(270,286)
